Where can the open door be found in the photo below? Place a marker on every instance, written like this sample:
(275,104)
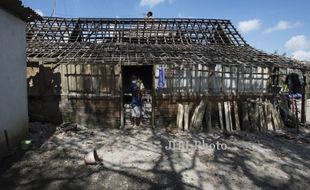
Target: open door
(145,73)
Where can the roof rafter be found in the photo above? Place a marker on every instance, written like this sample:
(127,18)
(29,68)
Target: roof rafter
(141,31)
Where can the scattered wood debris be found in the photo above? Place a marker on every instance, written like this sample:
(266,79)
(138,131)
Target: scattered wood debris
(66,127)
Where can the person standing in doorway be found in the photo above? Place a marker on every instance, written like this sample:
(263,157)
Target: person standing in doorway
(136,101)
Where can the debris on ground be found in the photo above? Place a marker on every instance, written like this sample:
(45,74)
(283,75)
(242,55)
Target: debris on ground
(92,158)
(172,128)
(66,127)
(141,159)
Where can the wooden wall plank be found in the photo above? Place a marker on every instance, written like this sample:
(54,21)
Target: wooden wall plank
(236,114)
(186,116)
(227,110)
(251,109)
(262,121)
(208,116)
(180,116)
(267,114)
(245,116)
(221,119)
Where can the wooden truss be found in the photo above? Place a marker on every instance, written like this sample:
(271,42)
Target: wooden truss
(145,41)
(141,31)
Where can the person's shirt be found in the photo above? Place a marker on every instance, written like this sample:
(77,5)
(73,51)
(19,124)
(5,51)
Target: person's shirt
(136,100)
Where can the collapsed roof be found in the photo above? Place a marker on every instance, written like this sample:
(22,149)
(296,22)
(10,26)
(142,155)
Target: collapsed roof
(148,40)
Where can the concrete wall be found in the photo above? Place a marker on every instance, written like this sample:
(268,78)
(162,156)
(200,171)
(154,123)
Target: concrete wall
(13,81)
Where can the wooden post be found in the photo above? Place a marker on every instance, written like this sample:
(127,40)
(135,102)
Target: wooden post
(237,84)
(245,116)
(303,100)
(211,85)
(196,120)
(251,109)
(153,96)
(274,124)
(122,99)
(211,78)
(278,76)
(257,115)
(236,113)
(262,118)
(251,78)
(296,115)
(267,114)
(180,116)
(186,116)
(208,116)
(223,78)
(275,117)
(227,111)
(221,115)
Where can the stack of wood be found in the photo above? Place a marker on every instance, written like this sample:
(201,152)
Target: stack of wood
(64,127)
(192,119)
(250,115)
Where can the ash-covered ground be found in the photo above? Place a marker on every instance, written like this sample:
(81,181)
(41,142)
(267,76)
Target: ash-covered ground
(140,158)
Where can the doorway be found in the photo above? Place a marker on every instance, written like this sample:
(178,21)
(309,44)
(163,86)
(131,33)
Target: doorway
(145,73)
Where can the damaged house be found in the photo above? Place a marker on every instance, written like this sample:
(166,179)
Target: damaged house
(13,80)
(197,73)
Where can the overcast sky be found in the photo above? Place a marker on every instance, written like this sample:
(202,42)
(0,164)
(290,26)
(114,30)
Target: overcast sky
(269,25)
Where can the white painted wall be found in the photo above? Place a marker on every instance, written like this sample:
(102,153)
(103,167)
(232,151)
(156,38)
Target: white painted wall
(13,81)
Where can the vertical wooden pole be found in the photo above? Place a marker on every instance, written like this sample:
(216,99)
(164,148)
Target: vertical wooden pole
(303,100)
(251,113)
(228,116)
(211,79)
(236,113)
(208,116)
(274,123)
(223,79)
(262,118)
(267,114)
(270,80)
(296,115)
(186,116)
(256,116)
(245,116)
(230,80)
(68,81)
(122,97)
(237,82)
(153,95)
(278,76)
(180,117)
(221,115)
(275,117)
(251,78)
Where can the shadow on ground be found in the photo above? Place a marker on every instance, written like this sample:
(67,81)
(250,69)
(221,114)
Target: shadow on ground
(139,159)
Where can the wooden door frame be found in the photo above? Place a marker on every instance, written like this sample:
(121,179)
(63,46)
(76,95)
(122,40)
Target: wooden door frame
(122,119)
(153,91)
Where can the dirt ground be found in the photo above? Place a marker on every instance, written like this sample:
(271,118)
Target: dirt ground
(139,158)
